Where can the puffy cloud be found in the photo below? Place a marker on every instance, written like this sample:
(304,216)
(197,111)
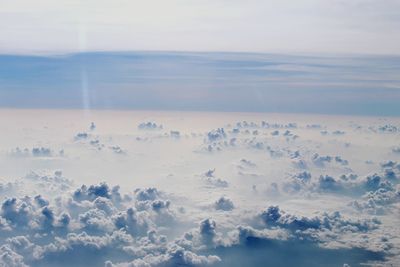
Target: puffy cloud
(146,194)
(48,182)
(9,258)
(81,249)
(96,143)
(92,126)
(18,213)
(208,231)
(320,161)
(280,249)
(375,182)
(175,134)
(390,164)
(290,125)
(338,132)
(134,222)
(150,126)
(174,256)
(92,192)
(297,182)
(247,163)
(300,164)
(224,203)
(274,217)
(91,225)
(338,159)
(60,224)
(378,202)
(216,135)
(210,178)
(246,124)
(303,176)
(388,128)
(40,201)
(96,221)
(275,133)
(117,150)
(328,183)
(10,188)
(42,152)
(81,136)
(96,225)
(313,126)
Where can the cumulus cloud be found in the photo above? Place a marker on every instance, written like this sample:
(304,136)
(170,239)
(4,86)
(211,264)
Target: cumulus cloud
(330,201)
(36,152)
(10,258)
(209,178)
(117,150)
(81,136)
(175,134)
(150,126)
(316,228)
(216,135)
(224,203)
(95,223)
(92,126)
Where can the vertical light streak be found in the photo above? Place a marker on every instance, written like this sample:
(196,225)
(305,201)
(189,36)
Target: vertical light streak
(85,91)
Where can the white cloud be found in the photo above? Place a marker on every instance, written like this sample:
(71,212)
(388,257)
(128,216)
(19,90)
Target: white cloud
(315,26)
(163,203)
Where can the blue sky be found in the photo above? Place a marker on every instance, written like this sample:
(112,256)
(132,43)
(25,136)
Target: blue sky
(367,85)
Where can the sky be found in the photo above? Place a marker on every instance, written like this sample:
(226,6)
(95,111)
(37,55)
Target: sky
(246,82)
(302,26)
(308,56)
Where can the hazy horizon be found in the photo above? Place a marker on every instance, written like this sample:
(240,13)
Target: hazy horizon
(243,82)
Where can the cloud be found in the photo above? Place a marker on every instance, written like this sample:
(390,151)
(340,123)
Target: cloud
(90,224)
(224,203)
(92,126)
(299,164)
(316,227)
(320,161)
(96,224)
(378,202)
(17,212)
(175,134)
(150,126)
(43,152)
(81,136)
(146,194)
(174,256)
(210,178)
(247,242)
(10,258)
(117,150)
(297,182)
(216,135)
(329,183)
(342,212)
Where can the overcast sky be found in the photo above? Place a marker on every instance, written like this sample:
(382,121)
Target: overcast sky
(308,26)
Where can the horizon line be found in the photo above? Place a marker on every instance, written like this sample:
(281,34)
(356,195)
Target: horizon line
(282,53)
